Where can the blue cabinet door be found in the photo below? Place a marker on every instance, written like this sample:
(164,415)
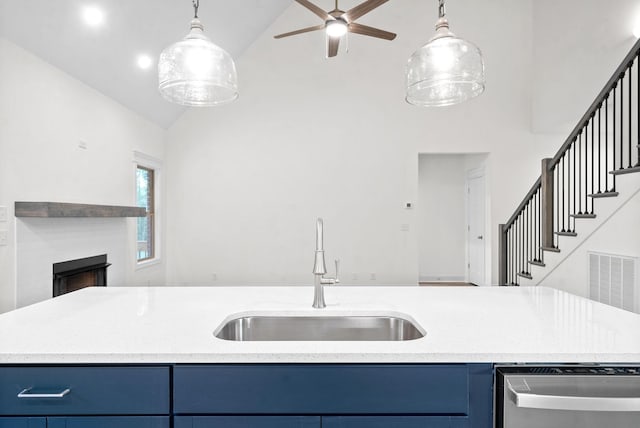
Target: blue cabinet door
(395,422)
(247,422)
(108,422)
(23,423)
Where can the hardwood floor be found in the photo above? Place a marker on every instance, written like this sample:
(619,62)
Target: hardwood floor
(446,284)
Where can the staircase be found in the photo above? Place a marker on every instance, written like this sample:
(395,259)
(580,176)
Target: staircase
(603,147)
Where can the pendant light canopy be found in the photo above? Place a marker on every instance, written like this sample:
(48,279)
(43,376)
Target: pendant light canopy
(447,70)
(196,72)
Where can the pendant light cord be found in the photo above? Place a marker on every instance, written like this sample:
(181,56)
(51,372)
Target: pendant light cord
(196,5)
(441,11)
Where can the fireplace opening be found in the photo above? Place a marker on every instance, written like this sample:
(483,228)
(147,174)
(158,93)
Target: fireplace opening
(74,275)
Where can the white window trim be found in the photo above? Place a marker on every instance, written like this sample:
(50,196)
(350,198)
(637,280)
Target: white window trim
(144,160)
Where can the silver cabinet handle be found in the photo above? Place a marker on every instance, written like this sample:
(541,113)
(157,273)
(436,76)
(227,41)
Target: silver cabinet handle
(572,403)
(480,237)
(26,393)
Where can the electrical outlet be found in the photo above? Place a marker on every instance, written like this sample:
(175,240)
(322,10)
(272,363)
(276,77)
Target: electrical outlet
(4,237)
(82,145)
(3,214)
(404,227)
(372,277)
(214,277)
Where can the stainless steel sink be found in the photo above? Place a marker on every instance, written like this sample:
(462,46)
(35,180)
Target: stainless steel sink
(319,328)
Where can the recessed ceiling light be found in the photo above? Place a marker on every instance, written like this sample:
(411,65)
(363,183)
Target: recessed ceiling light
(144,61)
(93,16)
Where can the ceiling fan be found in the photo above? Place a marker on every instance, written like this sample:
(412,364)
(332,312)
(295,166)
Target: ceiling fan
(338,22)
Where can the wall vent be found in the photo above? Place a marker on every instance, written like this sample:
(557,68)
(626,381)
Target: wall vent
(613,280)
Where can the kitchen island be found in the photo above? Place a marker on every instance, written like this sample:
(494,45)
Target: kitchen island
(116,357)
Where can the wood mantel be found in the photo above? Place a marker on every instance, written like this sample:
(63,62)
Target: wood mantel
(61,209)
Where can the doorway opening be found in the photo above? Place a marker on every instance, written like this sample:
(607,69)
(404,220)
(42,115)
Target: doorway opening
(453,219)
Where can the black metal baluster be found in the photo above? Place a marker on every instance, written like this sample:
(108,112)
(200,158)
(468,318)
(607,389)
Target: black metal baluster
(599,148)
(638,106)
(579,172)
(528,239)
(557,207)
(521,245)
(593,171)
(606,143)
(574,183)
(540,252)
(569,168)
(630,111)
(622,120)
(586,160)
(511,254)
(563,198)
(613,123)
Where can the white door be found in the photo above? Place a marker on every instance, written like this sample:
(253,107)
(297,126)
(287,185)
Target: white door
(475,227)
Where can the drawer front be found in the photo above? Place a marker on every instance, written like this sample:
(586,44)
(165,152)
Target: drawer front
(110,422)
(321,389)
(247,422)
(23,423)
(396,422)
(84,390)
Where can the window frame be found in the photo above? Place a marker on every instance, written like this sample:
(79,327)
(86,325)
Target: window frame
(144,161)
(151,209)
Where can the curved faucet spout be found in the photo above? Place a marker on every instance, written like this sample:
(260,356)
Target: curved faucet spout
(319,235)
(320,269)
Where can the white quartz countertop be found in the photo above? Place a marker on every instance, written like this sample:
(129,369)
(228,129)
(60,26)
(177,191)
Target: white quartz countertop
(176,325)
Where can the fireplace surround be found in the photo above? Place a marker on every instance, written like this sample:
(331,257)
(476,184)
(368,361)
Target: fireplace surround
(73,275)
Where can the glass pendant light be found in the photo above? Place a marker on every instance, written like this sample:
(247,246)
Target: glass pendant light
(196,72)
(447,70)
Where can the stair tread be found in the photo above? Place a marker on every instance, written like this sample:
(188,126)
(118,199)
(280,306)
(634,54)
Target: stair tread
(626,170)
(552,249)
(537,263)
(582,215)
(603,195)
(566,233)
(525,275)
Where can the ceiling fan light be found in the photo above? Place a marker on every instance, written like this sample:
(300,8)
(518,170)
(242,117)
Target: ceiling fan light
(336,28)
(195,72)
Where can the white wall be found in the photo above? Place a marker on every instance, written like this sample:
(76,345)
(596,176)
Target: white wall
(334,138)
(44,114)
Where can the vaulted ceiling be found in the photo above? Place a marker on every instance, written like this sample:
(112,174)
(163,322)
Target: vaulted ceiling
(576,44)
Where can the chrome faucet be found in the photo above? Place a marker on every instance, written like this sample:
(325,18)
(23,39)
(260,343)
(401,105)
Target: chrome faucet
(320,269)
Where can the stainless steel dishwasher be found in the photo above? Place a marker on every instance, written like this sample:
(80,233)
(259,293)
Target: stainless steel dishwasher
(577,396)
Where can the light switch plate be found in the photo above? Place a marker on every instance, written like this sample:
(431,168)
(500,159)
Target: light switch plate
(4,236)
(3,214)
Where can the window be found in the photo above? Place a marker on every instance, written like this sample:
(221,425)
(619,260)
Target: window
(145,191)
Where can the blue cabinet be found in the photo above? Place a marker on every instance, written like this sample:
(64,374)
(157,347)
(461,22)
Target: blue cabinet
(84,390)
(23,422)
(395,422)
(247,396)
(85,397)
(109,422)
(343,395)
(247,422)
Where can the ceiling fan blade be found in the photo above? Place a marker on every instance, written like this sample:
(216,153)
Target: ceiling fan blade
(370,31)
(332,46)
(315,9)
(362,8)
(300,31)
